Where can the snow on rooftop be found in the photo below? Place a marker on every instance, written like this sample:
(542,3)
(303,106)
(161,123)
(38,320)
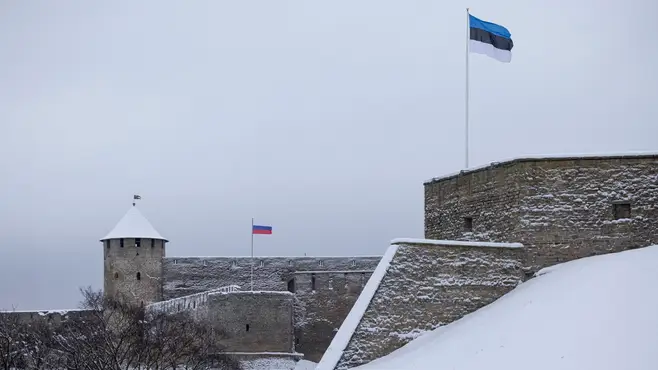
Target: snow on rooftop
(133,225)
(448,243)
(592,313)
(546,157)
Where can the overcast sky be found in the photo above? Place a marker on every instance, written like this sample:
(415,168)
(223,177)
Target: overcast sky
(321,119)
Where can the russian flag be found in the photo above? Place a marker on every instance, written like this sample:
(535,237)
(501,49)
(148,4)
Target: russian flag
(259,229)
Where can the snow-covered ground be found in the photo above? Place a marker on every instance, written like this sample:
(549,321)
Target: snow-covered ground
(594,313)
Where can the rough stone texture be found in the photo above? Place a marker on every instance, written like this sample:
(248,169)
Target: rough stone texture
(51,317)
(190,275)
(254,321)
(427,286)
(123,264)
(560,208)
(318,313)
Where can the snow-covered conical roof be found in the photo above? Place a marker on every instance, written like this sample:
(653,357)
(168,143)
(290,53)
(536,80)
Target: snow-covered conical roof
(133,225)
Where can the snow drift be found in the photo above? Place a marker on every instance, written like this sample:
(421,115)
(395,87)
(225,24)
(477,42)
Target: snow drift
(594,313)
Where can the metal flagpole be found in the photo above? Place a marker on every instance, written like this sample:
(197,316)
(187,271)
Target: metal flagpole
(252,254)
(468,37)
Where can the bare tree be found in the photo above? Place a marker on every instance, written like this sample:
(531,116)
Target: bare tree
(113,334)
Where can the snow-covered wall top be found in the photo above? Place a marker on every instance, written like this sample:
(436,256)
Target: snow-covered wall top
(189,302)
(547,157)
(418,287)
(455,243)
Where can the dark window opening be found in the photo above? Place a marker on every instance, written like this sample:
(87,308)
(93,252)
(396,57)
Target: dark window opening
(313,282)
(121,242)
(152,243)
(116,275)
(621,210)
(468,224)
(291,285)
(138,242)
(107,244)
(138,253)
(139,276)
(297,341)
(247,327)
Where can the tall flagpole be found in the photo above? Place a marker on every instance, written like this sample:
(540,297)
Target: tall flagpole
(252,254)
(468,37)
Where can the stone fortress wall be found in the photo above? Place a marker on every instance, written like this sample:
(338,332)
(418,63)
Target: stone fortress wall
(254,321)
(559,208)
(325,288)
(418,286)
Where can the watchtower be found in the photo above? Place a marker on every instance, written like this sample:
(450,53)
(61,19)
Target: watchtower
(133,253)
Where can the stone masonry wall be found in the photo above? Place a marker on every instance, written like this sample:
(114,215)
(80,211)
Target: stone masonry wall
(54,317)
(123,264)
(490,197)
(429,284)
(254,321)
(321,308)
(559,208)
(319,312)
(567,208)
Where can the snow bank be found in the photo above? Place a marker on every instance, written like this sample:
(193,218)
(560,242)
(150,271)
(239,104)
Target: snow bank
(593,313)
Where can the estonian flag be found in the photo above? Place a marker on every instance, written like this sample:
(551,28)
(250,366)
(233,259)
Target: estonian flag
(490,39)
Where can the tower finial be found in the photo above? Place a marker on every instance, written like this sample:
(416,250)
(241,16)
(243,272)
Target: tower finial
(135,197)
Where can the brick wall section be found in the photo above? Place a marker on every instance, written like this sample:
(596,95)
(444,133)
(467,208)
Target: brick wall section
(427,286)
(318,313)
(269,316)
(123,263)
(559,208)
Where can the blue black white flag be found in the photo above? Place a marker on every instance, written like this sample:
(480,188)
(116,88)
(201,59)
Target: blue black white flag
(490,39)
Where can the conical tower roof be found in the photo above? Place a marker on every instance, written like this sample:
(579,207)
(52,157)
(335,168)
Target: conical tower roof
(134,225)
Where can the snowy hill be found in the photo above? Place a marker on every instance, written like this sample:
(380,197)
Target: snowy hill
(594,313)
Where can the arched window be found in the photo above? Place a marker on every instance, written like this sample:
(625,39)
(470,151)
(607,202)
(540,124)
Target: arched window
(116,275)
(247,327)
(313,282)
(139,276)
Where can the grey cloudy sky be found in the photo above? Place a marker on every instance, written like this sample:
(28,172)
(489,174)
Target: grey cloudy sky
(322,119)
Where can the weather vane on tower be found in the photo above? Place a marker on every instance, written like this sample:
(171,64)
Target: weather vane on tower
(136,197)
